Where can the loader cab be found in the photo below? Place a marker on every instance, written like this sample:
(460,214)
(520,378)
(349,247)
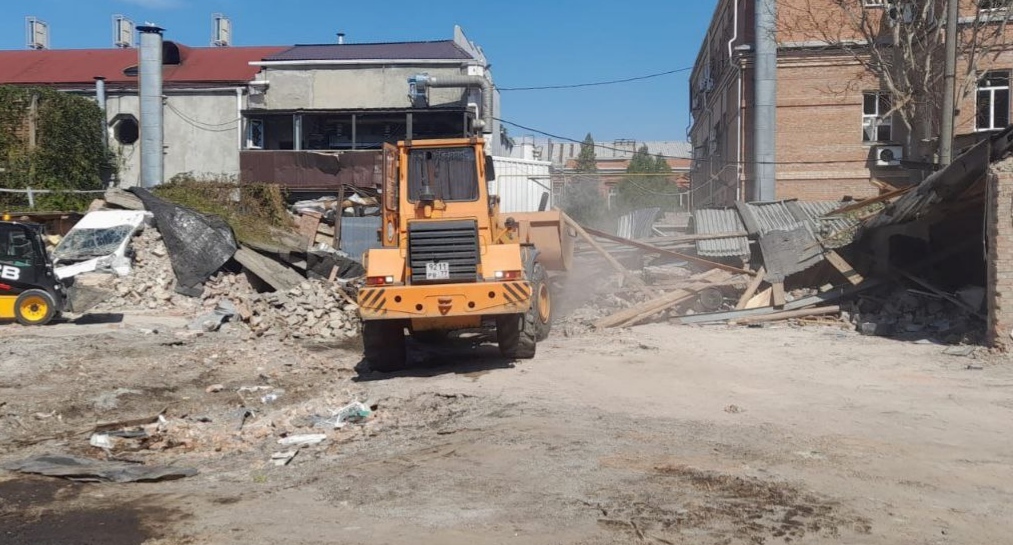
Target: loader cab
(23,257)
(429,180)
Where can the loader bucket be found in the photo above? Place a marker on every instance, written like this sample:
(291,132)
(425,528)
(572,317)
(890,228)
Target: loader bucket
(553,238)
(81,297)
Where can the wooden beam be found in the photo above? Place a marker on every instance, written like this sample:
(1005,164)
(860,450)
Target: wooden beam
(789,314)
(638,283)
(662,251)
(696,237)
(278,276)
(844,267)
(760,300)
(642,311)
(862,204)
(777,295)
(754,285)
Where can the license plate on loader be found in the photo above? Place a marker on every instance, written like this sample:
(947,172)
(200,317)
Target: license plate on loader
(437,271)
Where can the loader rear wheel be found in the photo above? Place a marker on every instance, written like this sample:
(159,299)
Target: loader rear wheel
(384,345)
(34,307)
(517,334)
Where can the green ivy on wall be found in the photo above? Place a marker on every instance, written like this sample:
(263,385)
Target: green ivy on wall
(68,153)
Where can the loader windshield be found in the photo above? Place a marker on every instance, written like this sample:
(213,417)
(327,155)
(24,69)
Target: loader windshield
(451,173)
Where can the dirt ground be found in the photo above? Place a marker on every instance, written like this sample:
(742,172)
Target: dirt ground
(658,434)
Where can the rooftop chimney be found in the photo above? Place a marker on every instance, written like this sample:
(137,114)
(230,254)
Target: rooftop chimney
(341,38)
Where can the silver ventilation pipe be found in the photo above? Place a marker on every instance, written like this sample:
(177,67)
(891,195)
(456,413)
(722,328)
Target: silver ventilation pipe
(100,98)
(418,84)
(152,140)
(765,135)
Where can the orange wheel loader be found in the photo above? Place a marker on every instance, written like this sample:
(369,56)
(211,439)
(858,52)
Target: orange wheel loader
(450,261)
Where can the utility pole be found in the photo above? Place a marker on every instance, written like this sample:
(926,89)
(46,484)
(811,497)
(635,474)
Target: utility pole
(949,84)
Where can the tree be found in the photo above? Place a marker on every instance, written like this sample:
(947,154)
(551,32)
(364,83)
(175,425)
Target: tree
(586,159)
(581,198)
(649,184)
(900,49)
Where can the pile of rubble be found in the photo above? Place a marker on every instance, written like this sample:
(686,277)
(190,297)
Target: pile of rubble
(151,282)
(316,309)
(912,313)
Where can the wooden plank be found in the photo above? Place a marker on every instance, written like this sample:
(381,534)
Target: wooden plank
(638,283)
(789,314)
(308,224)
(696,237)
(844,267)
(339,211)
(662,251)
(862,204)
(653,306)
(777,295)
(760,300)
(805,302)
(754,285)
(276,275)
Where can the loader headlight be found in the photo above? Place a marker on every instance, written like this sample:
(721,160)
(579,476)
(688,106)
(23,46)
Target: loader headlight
(507,275)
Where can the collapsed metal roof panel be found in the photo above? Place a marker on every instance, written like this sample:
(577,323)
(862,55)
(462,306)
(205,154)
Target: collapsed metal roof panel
(761,218)
(832,231)
(726,220)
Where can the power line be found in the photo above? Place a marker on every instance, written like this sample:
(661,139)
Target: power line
(700,160)
(596,83)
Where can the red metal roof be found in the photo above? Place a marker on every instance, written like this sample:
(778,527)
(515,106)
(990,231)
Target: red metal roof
(75,67)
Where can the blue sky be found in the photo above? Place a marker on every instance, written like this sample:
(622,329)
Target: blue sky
(529,43)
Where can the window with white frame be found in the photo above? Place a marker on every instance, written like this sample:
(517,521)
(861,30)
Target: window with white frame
(992,108)
(877,120)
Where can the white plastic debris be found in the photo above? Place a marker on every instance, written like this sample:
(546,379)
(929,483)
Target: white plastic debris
(302,440)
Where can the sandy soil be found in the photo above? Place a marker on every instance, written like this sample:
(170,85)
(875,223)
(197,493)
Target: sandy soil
(658,434)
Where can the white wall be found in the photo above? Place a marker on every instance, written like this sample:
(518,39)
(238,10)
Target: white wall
(350,87)
(201,133)
(520,184)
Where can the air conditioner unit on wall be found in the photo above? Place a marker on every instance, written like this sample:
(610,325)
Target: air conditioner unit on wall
(888,156)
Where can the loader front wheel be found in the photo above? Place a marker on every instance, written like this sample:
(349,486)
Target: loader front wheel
(541,302)
(517,334)
(384,345)
(34,307)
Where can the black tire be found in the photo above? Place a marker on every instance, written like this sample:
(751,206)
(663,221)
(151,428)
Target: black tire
(516,334)
(384,346)
(540,288)
(431,336)
(34,307)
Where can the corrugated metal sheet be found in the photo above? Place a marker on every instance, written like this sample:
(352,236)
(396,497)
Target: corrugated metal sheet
(520,184)
(359,235)
(311,170)
(637,224)
(724,220)
(443,49)
(833,232)
(761,218)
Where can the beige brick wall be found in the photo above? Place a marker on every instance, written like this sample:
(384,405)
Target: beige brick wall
(1000,259)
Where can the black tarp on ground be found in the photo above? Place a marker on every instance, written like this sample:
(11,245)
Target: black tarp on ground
(198,244)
